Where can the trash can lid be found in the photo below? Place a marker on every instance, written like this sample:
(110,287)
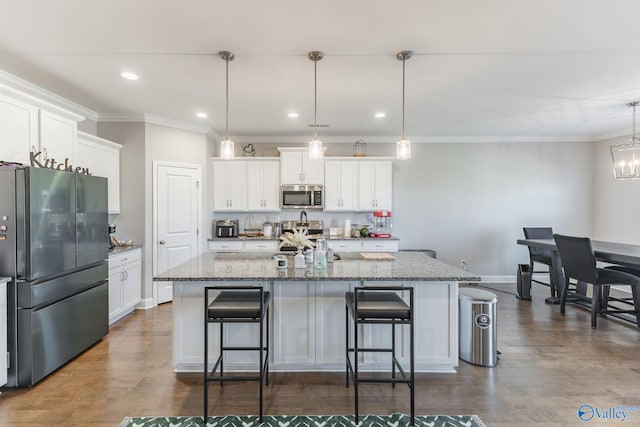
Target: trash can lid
(478,295)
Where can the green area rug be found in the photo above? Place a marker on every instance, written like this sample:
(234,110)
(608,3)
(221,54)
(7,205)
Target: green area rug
(394,420)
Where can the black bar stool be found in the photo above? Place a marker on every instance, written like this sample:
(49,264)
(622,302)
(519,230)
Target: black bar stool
(236,304)
(379,305)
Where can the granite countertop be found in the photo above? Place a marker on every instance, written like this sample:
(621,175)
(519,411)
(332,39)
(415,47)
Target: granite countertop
(325,236)
(119,249)
(217,266)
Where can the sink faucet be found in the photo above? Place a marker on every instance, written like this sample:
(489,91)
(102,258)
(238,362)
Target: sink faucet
(303,213)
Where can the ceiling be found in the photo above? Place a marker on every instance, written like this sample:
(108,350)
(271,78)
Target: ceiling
(543,70)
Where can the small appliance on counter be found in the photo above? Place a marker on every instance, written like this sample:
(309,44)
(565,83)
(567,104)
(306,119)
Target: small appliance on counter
(382,224)
(112,231)
(226,228)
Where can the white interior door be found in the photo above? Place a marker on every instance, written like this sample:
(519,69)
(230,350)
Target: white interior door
(177,201)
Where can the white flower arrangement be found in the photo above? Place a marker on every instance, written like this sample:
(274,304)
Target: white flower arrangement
(298,238)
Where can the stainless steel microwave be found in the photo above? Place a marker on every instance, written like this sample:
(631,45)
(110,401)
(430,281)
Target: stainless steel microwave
(301,197)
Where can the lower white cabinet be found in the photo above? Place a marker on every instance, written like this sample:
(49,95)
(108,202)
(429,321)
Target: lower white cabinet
(125,283)
(317,335)
(3,334)
(373,245)
(243,245)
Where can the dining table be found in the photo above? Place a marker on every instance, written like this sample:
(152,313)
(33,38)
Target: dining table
(608,252)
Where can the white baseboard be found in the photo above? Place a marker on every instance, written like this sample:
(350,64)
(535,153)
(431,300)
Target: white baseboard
(145,304)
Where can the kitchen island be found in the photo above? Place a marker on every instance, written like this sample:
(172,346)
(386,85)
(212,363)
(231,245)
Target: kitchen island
(308,310)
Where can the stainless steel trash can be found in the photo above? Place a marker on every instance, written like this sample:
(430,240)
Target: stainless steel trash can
(477,326)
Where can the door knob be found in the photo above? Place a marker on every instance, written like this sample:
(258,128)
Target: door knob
(162,242)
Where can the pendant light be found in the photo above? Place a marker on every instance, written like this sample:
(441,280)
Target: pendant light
(403,146)
(226,146)
(315,145)
(626,155)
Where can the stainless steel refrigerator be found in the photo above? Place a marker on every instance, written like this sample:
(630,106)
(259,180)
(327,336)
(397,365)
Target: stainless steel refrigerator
(54,246)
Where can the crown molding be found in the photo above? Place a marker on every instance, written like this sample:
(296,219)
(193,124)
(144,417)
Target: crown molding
(42,98)
(413,139)
(157,120)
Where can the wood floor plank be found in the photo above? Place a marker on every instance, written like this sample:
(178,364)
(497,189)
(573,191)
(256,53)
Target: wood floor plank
(550,366)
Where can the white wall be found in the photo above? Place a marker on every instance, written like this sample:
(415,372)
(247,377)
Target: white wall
(470,201)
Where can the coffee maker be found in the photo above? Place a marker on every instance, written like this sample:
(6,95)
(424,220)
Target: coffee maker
(112,230)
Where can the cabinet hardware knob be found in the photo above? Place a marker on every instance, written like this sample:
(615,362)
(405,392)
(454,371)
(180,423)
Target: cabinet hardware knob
(162,242)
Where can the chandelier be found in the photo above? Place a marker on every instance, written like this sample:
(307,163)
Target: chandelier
(626,155)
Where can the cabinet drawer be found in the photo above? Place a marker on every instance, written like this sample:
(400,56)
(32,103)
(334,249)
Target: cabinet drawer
(261,246)
(345,245)
(117,260)
(380,246)
(226,246)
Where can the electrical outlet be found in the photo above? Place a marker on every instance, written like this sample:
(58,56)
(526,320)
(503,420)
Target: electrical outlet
(463,264)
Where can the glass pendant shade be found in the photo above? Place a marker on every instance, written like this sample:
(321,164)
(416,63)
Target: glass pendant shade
(315,149)
(227,149)
(403,149)
(626,155)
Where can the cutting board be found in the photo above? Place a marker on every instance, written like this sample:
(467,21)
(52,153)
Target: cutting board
(377,255)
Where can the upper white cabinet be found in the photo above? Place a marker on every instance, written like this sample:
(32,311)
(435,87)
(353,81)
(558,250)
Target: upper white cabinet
(297,168)
(374,185)
(102,158)
(263,189)
(57,137)
(28,123)
(229,185)
(18,130)
(340,185)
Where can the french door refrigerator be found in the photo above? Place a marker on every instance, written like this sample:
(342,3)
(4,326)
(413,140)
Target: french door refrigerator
(54,247)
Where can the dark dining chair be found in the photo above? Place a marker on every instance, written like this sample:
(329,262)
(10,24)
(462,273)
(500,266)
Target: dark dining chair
(579,264)
(539,255)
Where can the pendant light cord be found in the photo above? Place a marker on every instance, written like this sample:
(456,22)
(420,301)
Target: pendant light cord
(315,99)
(403,64)
(227,120)
(633,137)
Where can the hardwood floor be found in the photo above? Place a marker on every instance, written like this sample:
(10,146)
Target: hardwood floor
(550,366)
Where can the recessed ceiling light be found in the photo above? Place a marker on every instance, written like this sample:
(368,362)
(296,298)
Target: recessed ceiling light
(201,115)
(292,115)
(379,115)
(129,75)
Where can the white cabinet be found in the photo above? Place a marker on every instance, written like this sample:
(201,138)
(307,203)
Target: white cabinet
(261,245)
(58,136)
(340,185)
(125,283)
(3,334)
(229,185)
(294,340)
(374,185)
(243,245)
(263,185)
(372,245)
(18,130)
(102,158)
(297,168)
(28,123)
(317,336)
